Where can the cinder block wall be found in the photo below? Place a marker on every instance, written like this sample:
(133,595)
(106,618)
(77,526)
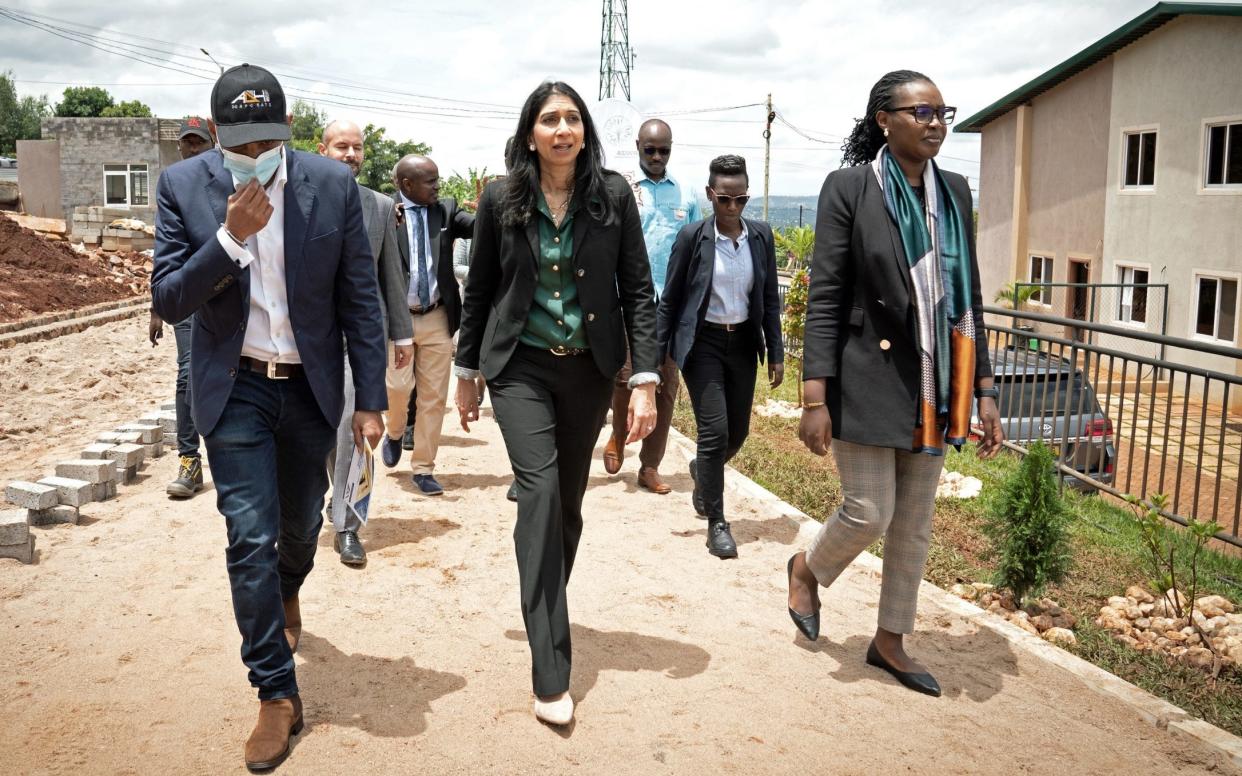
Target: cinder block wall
(86,145)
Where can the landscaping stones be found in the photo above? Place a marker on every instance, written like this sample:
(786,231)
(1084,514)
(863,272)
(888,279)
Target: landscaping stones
(30,495)
(93,471)
(52,516)
(1038,619)
(70,492)
(1210,639)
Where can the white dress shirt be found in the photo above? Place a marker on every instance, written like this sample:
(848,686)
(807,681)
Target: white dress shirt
(732,278)
(269,332)
(413,211)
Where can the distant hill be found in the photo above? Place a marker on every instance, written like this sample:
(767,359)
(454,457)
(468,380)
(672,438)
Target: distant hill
(782,211)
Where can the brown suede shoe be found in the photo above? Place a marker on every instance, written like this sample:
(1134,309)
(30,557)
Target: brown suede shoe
(268,745)
(614,453)
(293,623)
(651,480)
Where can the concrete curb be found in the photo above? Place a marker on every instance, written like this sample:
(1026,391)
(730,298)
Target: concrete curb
(54,325)
(1155,711)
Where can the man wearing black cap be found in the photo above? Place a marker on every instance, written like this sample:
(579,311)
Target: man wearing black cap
(265,246)
(193,139)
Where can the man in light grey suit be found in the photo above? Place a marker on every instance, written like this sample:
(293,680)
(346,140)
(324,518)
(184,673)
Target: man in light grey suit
(342,140)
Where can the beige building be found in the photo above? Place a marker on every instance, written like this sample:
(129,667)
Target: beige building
(1123,165)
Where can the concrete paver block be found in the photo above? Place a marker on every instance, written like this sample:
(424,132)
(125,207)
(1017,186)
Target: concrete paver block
(126,474)
(128,437)
(92,471)
(97,451)
(169,424)
(169,405)
(127,455)
(71,492)
(154,450)
(53,516)
(108,436)
(14,527)
(30,495)
(150,432)
(23,551)
(102,491)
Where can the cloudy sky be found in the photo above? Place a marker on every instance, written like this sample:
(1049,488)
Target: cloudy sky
(455,78)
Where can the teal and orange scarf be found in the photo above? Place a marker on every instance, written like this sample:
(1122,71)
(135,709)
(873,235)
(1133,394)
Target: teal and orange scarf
(935,242)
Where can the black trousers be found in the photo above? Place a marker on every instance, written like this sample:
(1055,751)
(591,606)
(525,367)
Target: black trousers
(720,378)
(550,410)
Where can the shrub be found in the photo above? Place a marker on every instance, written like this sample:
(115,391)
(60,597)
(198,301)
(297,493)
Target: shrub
(1027,526)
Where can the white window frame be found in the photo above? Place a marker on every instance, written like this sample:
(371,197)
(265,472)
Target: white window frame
(1126,134)
(1214,274)
(128,175)
(1119,268)
(1049,265)
(1215,189)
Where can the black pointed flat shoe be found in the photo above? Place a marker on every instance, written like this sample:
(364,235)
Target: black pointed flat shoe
(924,683)
(807,624)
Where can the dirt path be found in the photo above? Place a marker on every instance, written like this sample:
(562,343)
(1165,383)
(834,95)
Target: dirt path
(120,654)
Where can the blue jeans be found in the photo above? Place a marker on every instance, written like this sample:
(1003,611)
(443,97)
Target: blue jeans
(187,435)
(267,456)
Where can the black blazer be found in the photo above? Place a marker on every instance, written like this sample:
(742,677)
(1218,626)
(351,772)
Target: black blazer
(445,223)
(687,290)
(860,323)
(610,268)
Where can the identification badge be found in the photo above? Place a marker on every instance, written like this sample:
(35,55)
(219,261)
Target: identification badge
(680,215)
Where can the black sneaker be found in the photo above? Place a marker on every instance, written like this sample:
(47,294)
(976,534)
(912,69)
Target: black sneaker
(189,478)
(720,540)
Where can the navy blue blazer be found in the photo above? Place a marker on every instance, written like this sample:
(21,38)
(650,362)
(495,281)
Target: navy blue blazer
(687,290)
(329,278)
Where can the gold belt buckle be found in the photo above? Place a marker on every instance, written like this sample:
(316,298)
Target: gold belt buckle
(559,350)
(271,372)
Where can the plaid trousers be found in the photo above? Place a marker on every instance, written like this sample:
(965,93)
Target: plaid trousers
(889,493)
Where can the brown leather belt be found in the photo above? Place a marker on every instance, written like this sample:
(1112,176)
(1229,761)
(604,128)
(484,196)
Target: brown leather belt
(427,309)
(270,369)
(724,326)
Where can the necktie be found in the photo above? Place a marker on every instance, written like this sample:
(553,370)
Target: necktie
(420,250)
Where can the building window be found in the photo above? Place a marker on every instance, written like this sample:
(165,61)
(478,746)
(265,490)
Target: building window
(1140,160)
(1224,154)
(125,184)
(1216,307)
(1132,303)
(1041,273)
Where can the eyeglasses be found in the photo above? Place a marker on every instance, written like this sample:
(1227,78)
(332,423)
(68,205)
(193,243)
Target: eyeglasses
(725,199)
(923,113)
(653,150)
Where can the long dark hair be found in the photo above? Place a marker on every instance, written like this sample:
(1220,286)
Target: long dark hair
(867,138)
(522,184)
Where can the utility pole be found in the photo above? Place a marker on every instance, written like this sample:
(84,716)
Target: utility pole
(615,57)
(767,155)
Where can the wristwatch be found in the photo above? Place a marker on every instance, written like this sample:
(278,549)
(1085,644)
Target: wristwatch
(987,393)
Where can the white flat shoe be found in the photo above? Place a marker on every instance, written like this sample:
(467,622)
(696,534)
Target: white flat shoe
(559,710)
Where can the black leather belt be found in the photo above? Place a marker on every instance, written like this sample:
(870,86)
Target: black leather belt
(561,350)
(427,309)
(724,326)
(270,369)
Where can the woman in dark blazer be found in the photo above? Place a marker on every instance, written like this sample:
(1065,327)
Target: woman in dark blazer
(894,353)
(558,279)
(720,311)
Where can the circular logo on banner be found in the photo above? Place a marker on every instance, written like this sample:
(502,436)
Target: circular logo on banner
(618,122)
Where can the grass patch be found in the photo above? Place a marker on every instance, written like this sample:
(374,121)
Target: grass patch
(1108,556)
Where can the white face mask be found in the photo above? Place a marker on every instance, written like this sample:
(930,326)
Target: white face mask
(245,168)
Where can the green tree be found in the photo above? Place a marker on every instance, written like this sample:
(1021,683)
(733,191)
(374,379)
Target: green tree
(380,156)
(307,126)
(1016,294)
(795,244)
(84,102)
(1027,524)
(19,118)
(127,109)
(466,190)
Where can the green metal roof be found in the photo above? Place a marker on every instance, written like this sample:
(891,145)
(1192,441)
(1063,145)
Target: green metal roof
(1156,16)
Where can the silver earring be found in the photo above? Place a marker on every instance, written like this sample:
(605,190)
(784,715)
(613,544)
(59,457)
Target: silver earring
(532,146)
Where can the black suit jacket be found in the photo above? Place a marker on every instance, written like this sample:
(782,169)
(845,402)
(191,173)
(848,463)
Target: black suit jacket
(860,301)
(445,223)
(610,269)
(687,290)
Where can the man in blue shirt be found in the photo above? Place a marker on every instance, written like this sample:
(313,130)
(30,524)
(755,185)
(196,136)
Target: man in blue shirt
(665,206)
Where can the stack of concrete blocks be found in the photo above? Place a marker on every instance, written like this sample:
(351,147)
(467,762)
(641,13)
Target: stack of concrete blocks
(16,541)
(56,499)
(151,436)
(166,418)
(89,225)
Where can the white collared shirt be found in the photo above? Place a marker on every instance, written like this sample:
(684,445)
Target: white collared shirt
(269,330)
(433,288)
(733,276)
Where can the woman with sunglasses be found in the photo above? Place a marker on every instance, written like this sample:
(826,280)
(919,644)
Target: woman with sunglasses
(894,353)
(720,312)
(558,279)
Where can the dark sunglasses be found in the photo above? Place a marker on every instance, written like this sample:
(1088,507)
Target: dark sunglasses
(725,199)
(653,150)
(923,113)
